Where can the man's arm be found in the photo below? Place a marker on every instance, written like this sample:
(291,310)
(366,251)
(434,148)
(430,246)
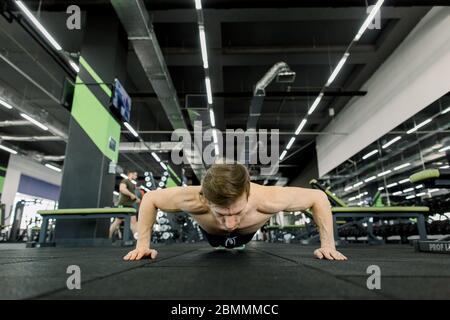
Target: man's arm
(168,200)
(124,190)
(297,199)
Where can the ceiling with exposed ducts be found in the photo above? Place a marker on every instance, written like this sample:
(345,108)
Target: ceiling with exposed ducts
(244,40)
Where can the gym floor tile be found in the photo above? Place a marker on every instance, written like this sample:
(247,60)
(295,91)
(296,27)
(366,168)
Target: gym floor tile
(197,271)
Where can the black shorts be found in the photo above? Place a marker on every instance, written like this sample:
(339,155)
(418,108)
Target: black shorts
(230,241)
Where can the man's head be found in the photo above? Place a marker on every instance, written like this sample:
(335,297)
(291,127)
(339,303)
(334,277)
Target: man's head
(226,187)
(132,174)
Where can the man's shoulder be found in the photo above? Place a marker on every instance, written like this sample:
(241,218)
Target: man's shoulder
(266,198)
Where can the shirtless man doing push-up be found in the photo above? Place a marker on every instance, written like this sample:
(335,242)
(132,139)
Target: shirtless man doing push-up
(230,210)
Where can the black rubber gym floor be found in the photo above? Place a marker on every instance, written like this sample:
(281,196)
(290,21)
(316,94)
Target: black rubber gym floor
(196,271)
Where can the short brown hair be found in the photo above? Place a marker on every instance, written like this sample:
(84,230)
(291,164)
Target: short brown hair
(223,184)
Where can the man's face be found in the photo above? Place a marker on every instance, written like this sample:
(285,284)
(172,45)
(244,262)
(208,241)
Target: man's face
(132,175)
(230,217)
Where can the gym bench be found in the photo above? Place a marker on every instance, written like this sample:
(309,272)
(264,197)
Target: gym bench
(87,213)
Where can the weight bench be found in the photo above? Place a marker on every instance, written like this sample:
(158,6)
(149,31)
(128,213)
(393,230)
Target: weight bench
(340,209)
(432,178)
(87,213)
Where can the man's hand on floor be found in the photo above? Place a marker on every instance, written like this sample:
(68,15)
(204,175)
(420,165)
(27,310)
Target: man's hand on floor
(139,253)
(329,254)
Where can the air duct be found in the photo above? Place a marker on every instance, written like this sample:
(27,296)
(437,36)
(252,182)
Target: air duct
(136,22)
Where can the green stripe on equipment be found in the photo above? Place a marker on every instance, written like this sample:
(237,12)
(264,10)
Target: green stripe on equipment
(2,182)
(380,210)
(174,174)
(2,168)
(170,183)
(315,184)
(339,201)
(87,211)
(95,76)
(424,175)
(95,120)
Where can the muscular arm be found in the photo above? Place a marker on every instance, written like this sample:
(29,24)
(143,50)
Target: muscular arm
(297,199)
(168,200)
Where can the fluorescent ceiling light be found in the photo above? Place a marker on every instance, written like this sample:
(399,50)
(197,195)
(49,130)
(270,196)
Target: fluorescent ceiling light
(370,179)
(392,185)
(444,149)
(408,190)
(397,193)
(208,90)
(337,69)
(403,181)
(53,167)
(33,121)
(402,166)
(116,193)
(380,188)
(351,199)
(444,167)
(124,176)
(212,118)
(446,110)
(433,190)
(283,155)
(371,153)
(74,66)
(198,4)
(421,194)
(5,104)
(8,149)
(130,128)
(154,155)
(38,25)
(384,173)
(410,197)
(348,188)
(420,186)
(203,47)
(163,165)
(291,142)
(315,104)
(368,20)
(420,125)
(300,127)
(388,144)
(133,182)
(356,185)
(361,195)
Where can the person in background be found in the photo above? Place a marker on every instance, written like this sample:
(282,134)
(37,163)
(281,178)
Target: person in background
(127,199)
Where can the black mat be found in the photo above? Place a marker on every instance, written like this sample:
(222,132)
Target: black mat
(262,271)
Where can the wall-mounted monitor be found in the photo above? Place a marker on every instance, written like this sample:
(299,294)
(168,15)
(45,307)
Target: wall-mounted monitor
(121,102)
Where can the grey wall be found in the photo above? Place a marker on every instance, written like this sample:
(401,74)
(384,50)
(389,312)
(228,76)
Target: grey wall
(414,76)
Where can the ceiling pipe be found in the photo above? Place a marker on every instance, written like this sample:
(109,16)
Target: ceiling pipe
(30,138)
(14,123)
(136,21)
